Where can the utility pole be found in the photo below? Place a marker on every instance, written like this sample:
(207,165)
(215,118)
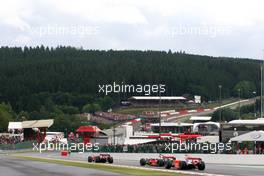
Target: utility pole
(254,94)
(114,132)
(261,91)
(159,114)
(239,90)
(220,112)
(261,94)
(220,102)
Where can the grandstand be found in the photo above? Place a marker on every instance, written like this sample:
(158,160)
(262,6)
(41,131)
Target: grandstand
(154,100)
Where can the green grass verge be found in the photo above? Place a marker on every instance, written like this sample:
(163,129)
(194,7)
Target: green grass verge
(134,110)
(103,167)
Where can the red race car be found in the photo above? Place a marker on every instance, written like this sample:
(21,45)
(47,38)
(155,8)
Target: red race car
(169,161)
(188,163)
(159,162)
(101,158)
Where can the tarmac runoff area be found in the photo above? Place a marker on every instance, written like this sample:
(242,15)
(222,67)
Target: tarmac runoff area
(128,161)
(10,166)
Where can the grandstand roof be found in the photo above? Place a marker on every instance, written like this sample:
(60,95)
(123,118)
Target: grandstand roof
(156,98)
(172,124)
(137,141)
(15,125)
(259,121)
(37,123)
(201,118)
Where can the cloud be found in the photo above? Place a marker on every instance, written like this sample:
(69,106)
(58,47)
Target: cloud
(14,14)
(219,27)
(100,11)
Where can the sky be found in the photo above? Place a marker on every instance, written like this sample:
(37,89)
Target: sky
(233,28)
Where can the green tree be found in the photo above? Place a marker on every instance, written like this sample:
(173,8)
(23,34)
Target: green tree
(5,117)
(33,77)
(245,88)
(106,103)
(23,115)
(66,123)
(227,114)
(91,108)
(69,109)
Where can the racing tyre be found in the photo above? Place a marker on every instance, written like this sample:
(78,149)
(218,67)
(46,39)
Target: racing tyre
(201,166)
(168,164)
(161,162)
(103,160)
(183,165)
(90,159)
(142,162)
(97,159)
(110,160)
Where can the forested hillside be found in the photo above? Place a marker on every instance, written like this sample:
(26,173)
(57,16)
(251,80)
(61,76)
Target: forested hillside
(27,72)
(38,79)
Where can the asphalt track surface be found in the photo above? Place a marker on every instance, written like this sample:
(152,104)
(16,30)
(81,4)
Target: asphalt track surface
(10,166)
(121,159)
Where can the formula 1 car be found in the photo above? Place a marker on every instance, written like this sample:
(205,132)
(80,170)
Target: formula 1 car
(188,163)
(101,158)
(169,161)
(159,162)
